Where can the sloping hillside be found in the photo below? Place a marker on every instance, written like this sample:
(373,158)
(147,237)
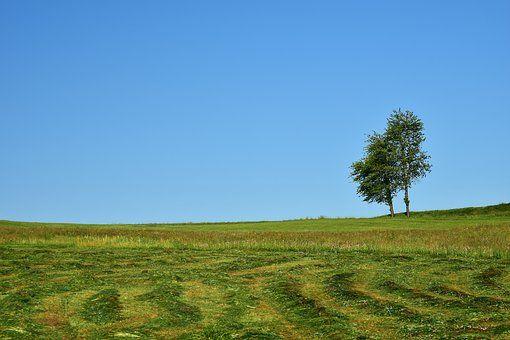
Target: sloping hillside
(502,209)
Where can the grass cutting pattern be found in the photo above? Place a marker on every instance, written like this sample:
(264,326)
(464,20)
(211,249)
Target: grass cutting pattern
(100,293)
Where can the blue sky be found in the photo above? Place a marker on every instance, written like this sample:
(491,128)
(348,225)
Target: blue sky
(129,111)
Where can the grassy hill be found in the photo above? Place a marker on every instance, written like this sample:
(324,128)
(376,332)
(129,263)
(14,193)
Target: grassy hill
(502,209)
(439,274)
(419,219)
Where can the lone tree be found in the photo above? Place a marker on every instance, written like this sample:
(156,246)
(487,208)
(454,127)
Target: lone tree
(377,173)
(404,134)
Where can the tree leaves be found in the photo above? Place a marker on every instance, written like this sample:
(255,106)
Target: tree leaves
(393,160)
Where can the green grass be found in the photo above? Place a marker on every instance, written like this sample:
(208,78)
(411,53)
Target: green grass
(440,274)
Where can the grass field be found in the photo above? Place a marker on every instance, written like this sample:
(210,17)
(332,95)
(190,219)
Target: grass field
(440,274)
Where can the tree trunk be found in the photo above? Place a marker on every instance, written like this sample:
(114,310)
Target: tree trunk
(392,212)
(406,201)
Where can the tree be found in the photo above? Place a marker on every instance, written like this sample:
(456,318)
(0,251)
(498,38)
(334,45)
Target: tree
(404,133)
(376,173)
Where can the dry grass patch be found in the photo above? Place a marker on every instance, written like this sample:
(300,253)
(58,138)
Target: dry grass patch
(55,313)
(209,299)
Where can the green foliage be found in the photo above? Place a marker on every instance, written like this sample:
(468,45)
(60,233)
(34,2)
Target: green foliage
(405,134)
(376,172)
(393,161)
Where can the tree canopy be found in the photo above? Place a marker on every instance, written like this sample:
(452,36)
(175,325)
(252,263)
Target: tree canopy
(405,135)
(392,161)
(376,172)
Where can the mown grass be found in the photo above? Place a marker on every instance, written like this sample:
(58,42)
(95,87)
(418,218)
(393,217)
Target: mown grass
(438,275)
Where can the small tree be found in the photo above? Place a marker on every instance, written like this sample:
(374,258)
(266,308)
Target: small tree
(376,172)
(404,133)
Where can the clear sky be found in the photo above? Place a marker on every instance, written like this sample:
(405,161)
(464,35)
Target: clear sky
(152,111)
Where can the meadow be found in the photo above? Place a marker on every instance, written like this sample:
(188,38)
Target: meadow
(439,274)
